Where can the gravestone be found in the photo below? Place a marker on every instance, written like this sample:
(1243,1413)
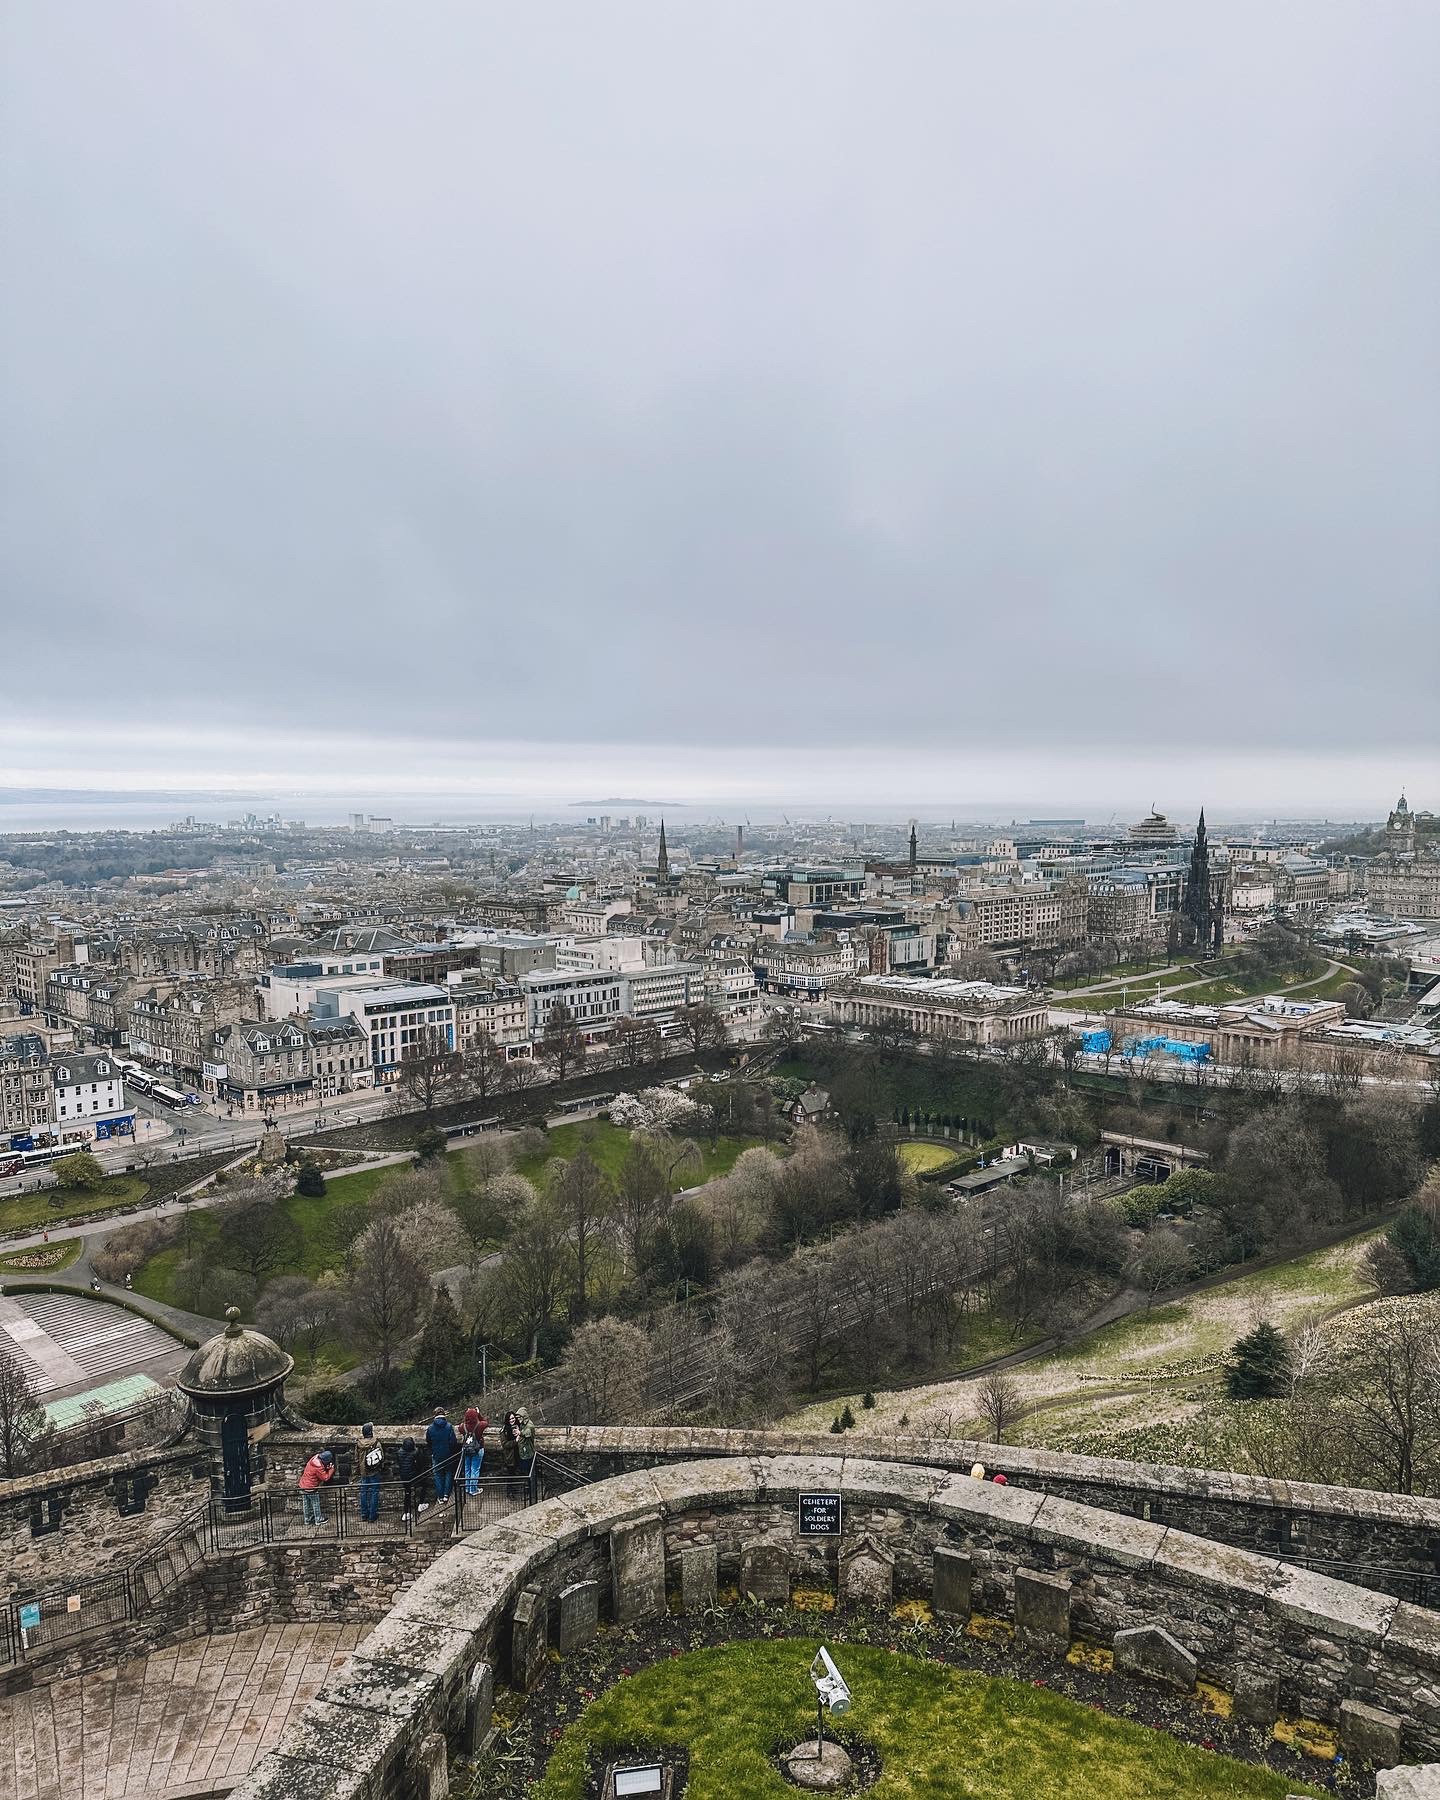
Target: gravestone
(527,1641)
(433,1781)
(765,1570)
(1371,1735)
(950,1583)
(479,1707)
(637,1570)
(699,1569)
(579,1615)
(1257,1697)
(1042,1609)
(867,1572)
(1150,1651)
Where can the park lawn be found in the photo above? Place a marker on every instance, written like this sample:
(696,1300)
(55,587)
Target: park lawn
(58,1254)
(942,1733)
(156,1278)
(34,1211)
(1164,1362)
(918,1157)
(608,1144)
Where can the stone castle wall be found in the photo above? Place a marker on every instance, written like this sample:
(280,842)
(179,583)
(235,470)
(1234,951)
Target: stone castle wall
(1285,1638)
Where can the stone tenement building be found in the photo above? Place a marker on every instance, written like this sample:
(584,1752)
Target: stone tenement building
(1184,1576)
(1404,880)
(970,1012)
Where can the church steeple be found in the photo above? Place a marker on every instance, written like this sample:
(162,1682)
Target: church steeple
(662,862)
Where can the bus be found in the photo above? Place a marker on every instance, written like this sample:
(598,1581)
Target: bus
(142,1084)
(36,1159)
(167,1096)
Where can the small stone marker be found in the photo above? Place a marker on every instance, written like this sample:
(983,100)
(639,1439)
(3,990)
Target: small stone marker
(1371,1735)
(1150,1651)
(1257,1697)
(867,1572)
(479,1707)
(434,1769)
(637,1570)
(1042,1608)
(765,1570)
(822,1768)
(950,1584)
(527,1640)
(699,1578)
(579,1615)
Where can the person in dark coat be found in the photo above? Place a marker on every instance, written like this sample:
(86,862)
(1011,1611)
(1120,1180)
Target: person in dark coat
(444,1449)
(407,1468)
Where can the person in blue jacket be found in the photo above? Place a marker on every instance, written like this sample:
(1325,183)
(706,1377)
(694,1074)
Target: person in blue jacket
(444,1449)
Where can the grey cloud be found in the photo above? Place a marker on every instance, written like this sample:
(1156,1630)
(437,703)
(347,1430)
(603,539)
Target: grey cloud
(818,373)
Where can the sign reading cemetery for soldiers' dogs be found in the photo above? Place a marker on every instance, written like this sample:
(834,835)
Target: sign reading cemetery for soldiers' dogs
(819,1515)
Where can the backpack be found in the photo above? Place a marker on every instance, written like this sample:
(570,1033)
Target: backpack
(374,1458)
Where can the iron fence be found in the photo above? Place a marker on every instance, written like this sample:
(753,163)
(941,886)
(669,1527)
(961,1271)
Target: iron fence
(228,1526)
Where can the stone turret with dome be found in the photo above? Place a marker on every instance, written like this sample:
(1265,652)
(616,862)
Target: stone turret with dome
(235,1383)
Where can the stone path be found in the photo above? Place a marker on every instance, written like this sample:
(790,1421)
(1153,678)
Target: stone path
(189,1720)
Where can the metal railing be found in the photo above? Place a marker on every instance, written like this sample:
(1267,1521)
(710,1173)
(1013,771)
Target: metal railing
(223,1526)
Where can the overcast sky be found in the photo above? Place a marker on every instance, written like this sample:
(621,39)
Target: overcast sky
(1033,398)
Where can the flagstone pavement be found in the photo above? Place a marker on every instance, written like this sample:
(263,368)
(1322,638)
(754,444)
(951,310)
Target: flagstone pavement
(188,1720)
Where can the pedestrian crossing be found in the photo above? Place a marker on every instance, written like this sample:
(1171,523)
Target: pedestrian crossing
(97,1338)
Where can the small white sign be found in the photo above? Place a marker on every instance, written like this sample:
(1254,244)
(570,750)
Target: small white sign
(638,1781)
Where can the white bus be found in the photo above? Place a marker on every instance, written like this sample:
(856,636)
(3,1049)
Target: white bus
(167,1096)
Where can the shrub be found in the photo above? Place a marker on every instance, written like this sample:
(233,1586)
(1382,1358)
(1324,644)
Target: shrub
(847,1418)
(867,1400)
(335,1406)
(310,1181)
(835,1426)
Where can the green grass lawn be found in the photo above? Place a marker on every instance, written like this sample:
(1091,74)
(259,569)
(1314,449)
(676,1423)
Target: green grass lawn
(919,1157)
(608,1144)
(943,1733)
(34,1211)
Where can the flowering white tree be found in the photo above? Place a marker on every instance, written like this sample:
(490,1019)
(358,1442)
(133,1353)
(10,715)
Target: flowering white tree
(653,1109)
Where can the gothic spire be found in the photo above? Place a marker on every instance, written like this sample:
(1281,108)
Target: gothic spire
(662,862)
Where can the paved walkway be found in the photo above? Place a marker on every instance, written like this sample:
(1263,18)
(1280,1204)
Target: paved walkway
(194,1718)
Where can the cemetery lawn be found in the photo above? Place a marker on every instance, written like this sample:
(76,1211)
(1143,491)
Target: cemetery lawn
(942,1733)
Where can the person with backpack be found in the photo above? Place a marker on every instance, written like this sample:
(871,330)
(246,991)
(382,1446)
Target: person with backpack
(372,1466)
(472,1451)
(313,1477)
(444,1448)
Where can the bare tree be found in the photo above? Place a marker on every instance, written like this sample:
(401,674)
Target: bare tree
(25,1428)
(998,1401)
(257,1237)
(563,1044)
(482,1070)
(586,1201)
(344,1226)
(703,1028)
(1161,1261)
(1388,1408)
(642,1192)
(385,1294)
(536,1268)
(605,1370)
(430,1073)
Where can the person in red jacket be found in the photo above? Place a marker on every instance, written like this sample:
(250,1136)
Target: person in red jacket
(319,1470)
